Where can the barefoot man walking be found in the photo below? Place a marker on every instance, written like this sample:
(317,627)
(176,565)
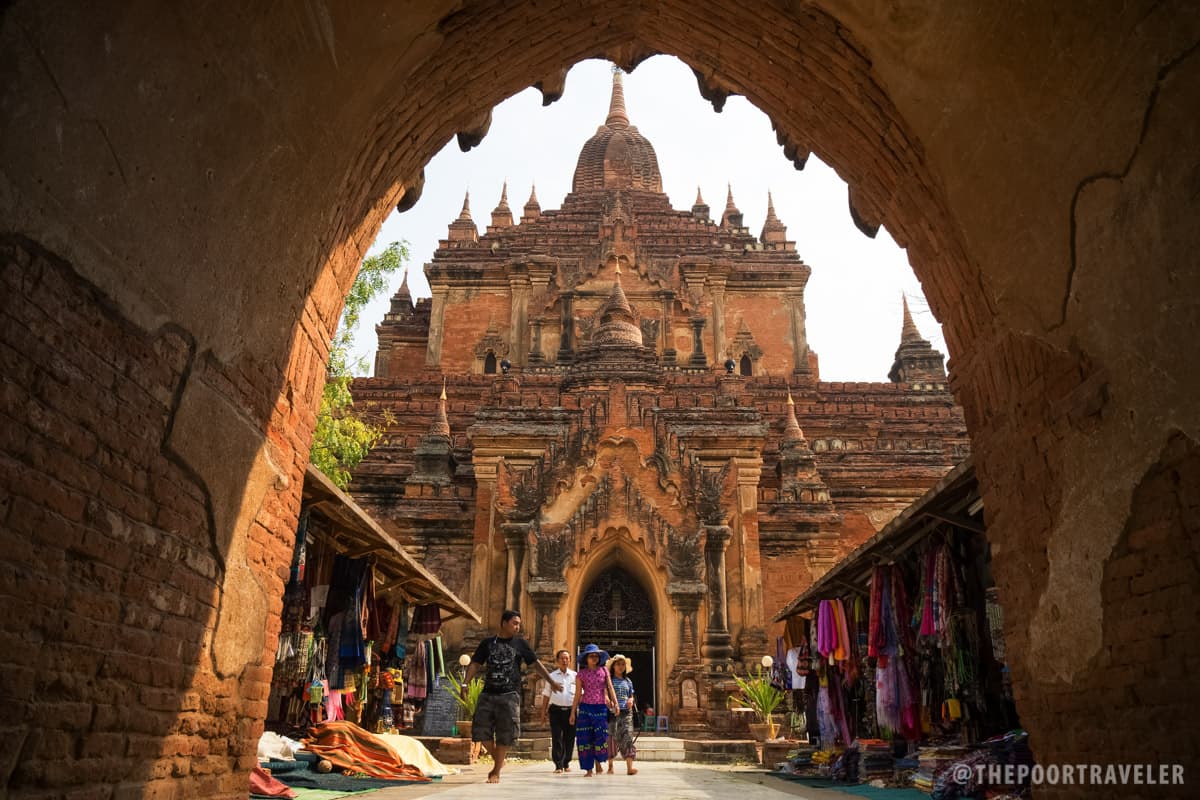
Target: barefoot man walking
(497,722)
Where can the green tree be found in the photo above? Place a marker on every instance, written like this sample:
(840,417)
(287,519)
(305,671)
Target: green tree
(343,437)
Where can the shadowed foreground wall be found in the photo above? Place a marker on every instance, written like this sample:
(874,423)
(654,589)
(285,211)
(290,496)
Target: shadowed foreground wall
(184,197)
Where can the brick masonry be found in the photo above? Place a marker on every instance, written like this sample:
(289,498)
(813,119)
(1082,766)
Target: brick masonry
(207,189)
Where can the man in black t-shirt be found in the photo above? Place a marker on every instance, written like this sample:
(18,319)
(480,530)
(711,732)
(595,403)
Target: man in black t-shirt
(497,721)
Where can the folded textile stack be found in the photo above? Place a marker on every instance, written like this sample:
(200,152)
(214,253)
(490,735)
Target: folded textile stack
(931,762)
(803,760)
(874,759)
(823,760)
(844,768)
(922,780)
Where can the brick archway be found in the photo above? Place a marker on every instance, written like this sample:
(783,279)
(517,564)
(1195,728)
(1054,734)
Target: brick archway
(186,198)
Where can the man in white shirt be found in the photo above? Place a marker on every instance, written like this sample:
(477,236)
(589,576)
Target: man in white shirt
(556,706)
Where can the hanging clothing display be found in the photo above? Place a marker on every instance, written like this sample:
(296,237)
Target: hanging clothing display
(415,669)
(427,619)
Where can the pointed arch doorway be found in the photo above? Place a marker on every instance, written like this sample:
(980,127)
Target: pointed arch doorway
(617,613)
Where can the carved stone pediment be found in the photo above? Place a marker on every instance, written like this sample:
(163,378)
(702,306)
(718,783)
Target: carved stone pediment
(491,340)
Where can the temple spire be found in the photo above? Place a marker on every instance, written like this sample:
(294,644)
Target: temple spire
(916,361)
(732,218)
(441,423)
(403,290)
(463,229)
(700,208)
(616,107)
(502,214)
(791,429)
(774,232)
(532,209)
(908,329)
(617,324)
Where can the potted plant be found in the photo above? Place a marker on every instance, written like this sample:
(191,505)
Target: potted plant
(466,701)
(758,693)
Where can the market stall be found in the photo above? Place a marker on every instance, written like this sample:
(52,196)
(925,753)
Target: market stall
(896,655)
(360,634)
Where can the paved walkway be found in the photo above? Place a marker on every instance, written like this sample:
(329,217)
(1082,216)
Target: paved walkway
(656,780)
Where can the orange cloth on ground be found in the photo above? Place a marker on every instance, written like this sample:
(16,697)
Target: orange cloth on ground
(261,782)
(350,747)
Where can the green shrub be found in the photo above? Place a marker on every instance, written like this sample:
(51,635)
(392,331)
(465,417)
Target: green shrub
(758,693)
(468,701)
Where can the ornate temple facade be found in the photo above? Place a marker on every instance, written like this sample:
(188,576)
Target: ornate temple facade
(608,416)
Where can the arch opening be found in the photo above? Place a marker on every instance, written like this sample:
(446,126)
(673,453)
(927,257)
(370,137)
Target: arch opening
(122,218)
(616,612)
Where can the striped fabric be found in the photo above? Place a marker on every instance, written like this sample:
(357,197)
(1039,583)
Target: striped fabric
(348,746)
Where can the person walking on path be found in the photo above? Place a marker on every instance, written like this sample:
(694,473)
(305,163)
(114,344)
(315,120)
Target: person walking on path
(594,698)
(556,709)
(497,721)
(620,729)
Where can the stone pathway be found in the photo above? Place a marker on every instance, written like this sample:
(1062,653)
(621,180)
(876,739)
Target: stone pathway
(654,781)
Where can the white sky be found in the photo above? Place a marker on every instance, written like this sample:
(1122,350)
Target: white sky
(853,296)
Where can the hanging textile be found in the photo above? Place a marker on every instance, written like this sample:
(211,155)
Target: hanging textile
(838,707)
(400,643)
(299,552)
(415,672)
(850,665)
(439,670)
(372,622)
(826,637)
(995,618)
(430,664)
(796,631)
(781,675)
(427,619)
(841,648)
(391,628)
(333,661)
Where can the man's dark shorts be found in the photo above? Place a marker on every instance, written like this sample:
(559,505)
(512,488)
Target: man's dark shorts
(497,716)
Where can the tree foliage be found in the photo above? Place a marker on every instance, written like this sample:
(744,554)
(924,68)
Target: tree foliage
(343,437)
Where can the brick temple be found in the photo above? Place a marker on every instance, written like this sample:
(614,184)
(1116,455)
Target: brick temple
(608,416)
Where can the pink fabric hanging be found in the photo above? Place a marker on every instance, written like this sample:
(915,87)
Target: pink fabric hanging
(826,638)
(333,705)
(928,589)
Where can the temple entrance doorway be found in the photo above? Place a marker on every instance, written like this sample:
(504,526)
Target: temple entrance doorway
(617,614)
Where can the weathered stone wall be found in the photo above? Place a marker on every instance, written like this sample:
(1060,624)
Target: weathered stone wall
(216,181)
(126,659)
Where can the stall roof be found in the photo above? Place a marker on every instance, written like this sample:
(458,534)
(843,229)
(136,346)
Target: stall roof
(952,500)
(395,570)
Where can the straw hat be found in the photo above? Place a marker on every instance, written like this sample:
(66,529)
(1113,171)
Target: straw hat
(626,659)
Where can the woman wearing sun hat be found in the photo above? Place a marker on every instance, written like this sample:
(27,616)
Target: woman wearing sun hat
(594,697)
(620,728)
